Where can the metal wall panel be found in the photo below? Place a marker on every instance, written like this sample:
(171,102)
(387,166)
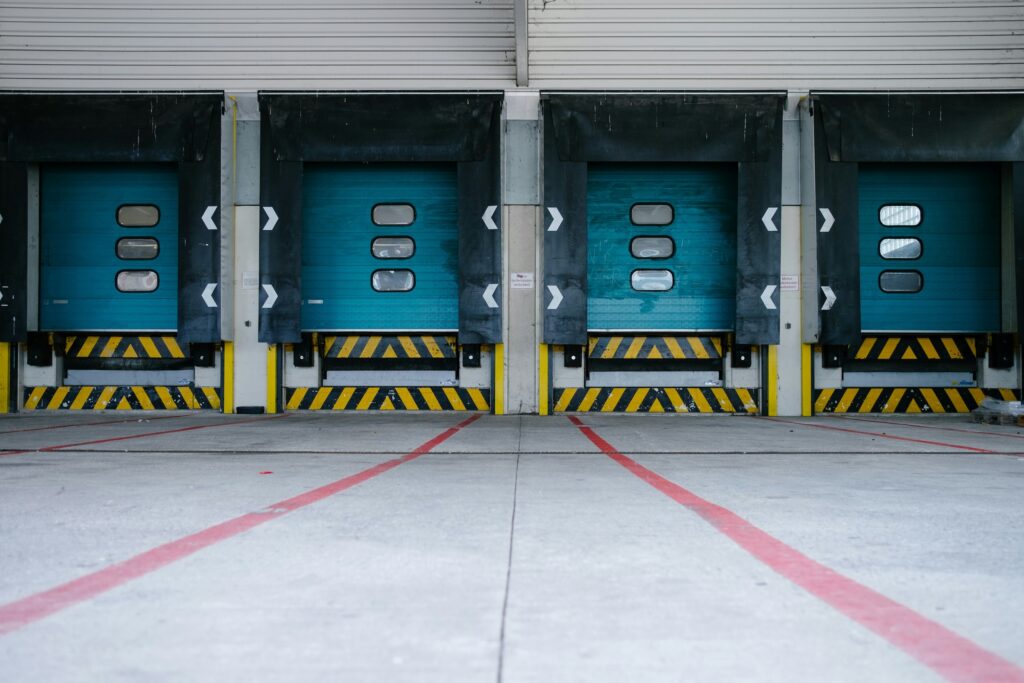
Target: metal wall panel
(795,45)
(256,44)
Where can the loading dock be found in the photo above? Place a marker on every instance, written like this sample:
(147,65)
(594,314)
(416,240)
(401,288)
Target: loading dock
(111,207)
(392,299)
(917,251)
(661,253)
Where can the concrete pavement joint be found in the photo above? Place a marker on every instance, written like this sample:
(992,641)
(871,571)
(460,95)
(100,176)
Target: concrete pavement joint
(883,435)
(508,571)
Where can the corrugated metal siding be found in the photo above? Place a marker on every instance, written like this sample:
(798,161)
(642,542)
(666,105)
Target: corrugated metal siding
(256,44)
(799,44)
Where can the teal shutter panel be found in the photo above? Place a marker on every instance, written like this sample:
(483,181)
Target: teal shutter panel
(338,234)
(703,229)
(79,232)
(959,235)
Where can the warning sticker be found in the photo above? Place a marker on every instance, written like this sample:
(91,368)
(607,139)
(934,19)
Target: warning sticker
(522,280)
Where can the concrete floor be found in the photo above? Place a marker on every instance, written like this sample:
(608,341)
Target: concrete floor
(676,548)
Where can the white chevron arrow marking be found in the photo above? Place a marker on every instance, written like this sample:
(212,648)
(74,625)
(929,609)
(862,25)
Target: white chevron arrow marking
(830,298)
(271,296)
(208,217)
(766,297)
(489,296)
(489,218)
(208,295)
(556,297)
(556,219)
(271,217)
(769,219)
(829,220)
(1,218)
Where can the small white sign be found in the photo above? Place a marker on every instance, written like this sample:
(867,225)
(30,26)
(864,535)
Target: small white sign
(790,283)
(522,280)
(250,280)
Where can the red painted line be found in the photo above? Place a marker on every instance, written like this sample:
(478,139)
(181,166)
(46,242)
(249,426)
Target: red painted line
(897,423)
(98,423)
(947,653)
(20,613)
(50,449)
(884,436)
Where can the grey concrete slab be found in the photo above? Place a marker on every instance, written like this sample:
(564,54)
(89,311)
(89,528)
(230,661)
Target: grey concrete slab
(211,432)
(736,434)
(400,579)
(63,515)
(611,581)
(80,432)
(404,576)
(941,534)
(518,434)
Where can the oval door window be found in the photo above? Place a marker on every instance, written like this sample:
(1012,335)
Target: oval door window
(137,248)
(393,280)
(393,214)
(652,247)
(138,215)
(393,247)
(651,214)
(137,281)
(901,281)
(900,215)
(900,248)
(652,280)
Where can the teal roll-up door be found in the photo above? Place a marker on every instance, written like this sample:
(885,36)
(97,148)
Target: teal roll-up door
(676,270)
(95,273)
(380,247)
(936,266)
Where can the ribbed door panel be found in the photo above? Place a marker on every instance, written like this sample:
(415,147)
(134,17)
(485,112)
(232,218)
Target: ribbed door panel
(703,230)
(808,44)
(959,235)
(79,232)
(249,45)
(337,234)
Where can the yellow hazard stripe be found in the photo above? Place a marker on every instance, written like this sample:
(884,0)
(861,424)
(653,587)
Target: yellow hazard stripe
(405,396)
(164,394)
(151,350)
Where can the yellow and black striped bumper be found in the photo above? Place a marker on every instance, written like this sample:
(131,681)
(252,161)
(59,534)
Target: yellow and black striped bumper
(655,348)
(388,398)
(906,399)
(122,398)
(112,346)
(925,348)
(655,400)
(401,346)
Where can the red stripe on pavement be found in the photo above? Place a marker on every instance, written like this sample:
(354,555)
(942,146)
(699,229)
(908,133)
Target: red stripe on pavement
(23,612)
(98,423)
(947,653)
(49,449)
(884,436)
(897,423)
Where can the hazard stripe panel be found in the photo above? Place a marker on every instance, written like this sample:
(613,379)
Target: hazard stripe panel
(652,348)
(376,346)
(906,399)
(655,400)
(123,398)
(916,348)
(388,398)
(89,346)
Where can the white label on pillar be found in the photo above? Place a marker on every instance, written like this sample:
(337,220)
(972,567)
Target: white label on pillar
(250,280)
(790,283)
(522,280)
